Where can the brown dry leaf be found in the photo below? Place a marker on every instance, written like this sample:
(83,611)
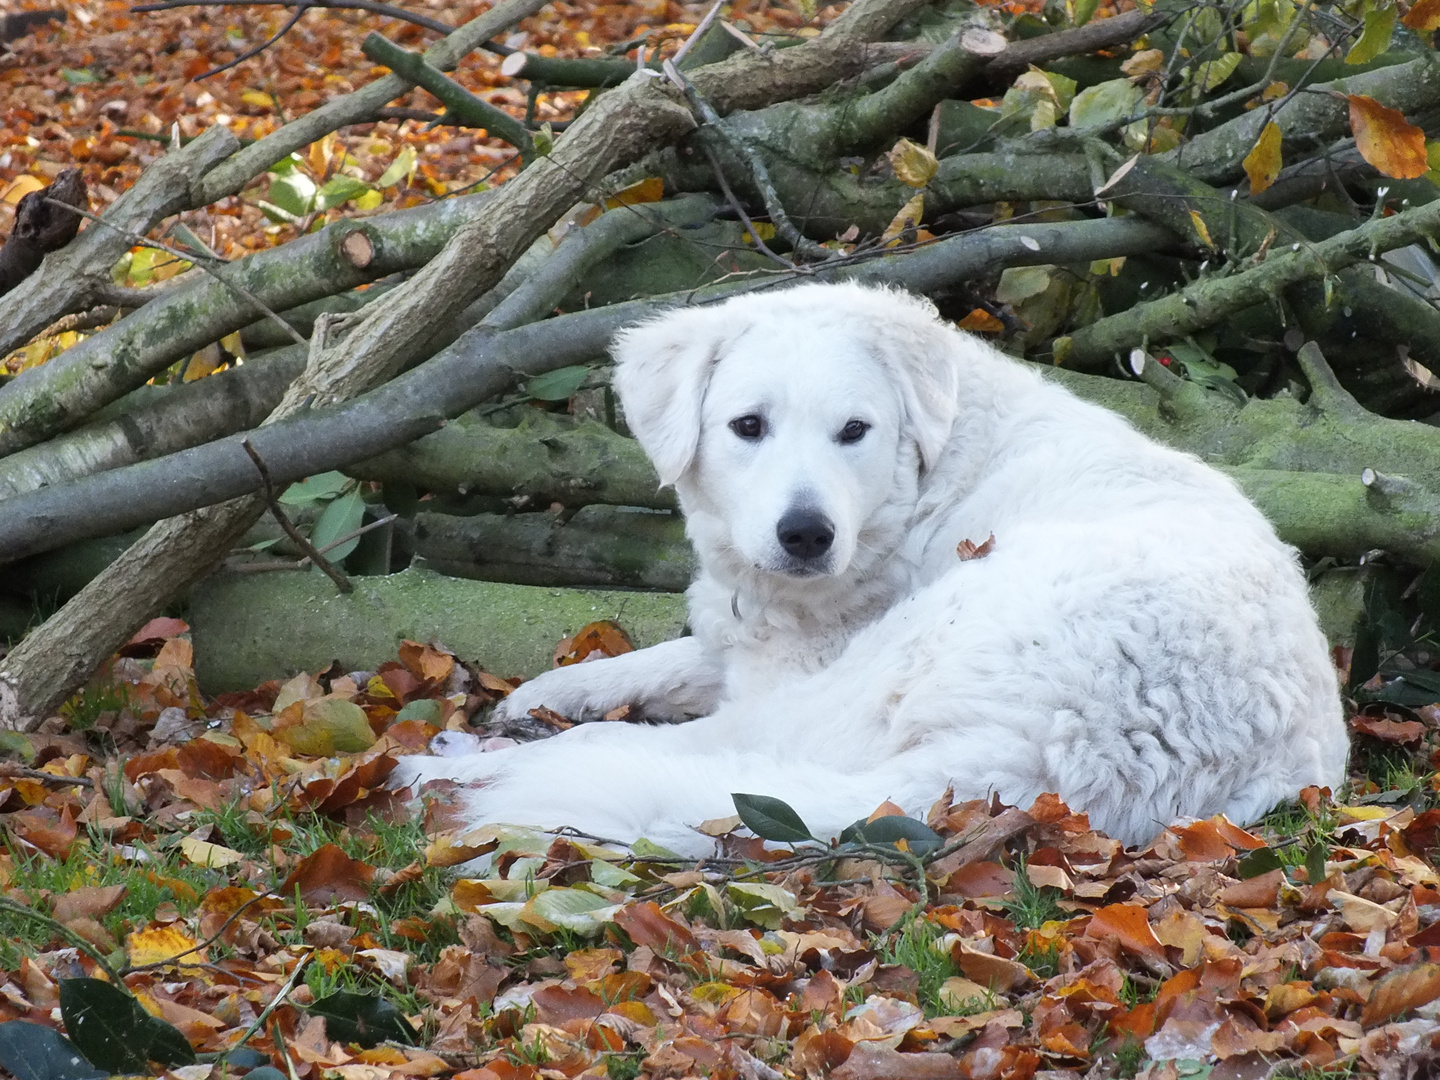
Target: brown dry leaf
(1401,990)
(649,926)
(329,875)
(1263,163)
(990,970)
(1396,731)
(90,902)
(871,1062)
(1386,139)
(1179,929)
(52,833)
(426,662)
(968,549)
(1129,925)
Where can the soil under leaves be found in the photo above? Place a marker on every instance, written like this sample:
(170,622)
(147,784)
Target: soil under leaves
(239,866)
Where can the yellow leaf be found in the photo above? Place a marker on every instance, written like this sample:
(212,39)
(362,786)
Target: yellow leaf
(162,944)
(258,98)
(1143,61)
(913,164)
(1276,90)
(1386,139)
(204,362)
(908,218)
(203,853)
(232,344)
(651,189)
(1375,38)
(763,229)
(1262,164)
(1423,16)
(21,186)
(1200,230)
(320,153)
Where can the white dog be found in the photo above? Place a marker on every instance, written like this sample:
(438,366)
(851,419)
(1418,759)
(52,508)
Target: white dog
(1139,640)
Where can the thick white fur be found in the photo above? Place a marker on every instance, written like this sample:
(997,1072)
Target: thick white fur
(1139,641)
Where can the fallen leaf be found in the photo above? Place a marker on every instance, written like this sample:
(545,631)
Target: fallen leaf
(328,875)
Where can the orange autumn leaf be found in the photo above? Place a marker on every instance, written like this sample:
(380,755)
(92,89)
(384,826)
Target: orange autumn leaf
(980,321)
(1129,925)
(648,925)
(426,662)
(605,638)
(1386,139)
(1424,15)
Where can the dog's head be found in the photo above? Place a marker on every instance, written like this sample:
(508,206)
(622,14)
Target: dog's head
(794,424)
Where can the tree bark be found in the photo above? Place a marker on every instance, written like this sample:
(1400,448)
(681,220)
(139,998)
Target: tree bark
(41,227)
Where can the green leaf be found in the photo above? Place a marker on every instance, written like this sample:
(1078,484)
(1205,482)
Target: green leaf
(315,489)
(918,836)
(1315,863)
(363,1019)
(770,818)
(1215,72)
(340,190)
(114,1031)
(331,726)
(1104,103)
(399,168)
(340,518)
(576,910)
(1375,38)
(764,905)
(557,385)
(295,193)
(78,77)
(1019,283)
(1085,11)
(424,709)
(648,849)
(1260,861)
(36,1052)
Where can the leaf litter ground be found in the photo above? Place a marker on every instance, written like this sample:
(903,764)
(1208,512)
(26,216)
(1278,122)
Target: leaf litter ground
(225,885)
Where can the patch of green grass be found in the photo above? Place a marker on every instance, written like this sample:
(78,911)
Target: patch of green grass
(914,947)
(157,876)
(624,1066)
(1129,1058)
(85,708)
(1132,993)
(1043,962)
(1033,905)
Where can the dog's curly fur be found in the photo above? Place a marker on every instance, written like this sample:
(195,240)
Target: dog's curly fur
(1138,641)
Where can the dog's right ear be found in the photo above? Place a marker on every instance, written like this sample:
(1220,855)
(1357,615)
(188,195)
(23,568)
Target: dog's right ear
(661,371)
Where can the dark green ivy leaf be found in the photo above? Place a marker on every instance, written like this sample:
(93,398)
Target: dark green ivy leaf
(36,1052)
(364,1019)
(771,819)
(1260,861)
(115,1032)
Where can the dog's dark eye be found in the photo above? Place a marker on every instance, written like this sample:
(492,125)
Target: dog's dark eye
(747,427)
(854,431)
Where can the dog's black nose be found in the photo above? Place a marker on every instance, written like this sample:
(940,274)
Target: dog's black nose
(806,534)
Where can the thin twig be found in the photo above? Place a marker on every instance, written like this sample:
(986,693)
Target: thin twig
(342,583)
(300,11)
(275,1003)
(373,6)
(773,207)
(9,769)
(740,210)
(304,564)
(63,931)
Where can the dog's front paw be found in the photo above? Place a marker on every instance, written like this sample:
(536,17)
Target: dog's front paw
(564,695)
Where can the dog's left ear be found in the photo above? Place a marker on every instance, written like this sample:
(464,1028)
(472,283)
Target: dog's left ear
(923,356)
(662,369)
